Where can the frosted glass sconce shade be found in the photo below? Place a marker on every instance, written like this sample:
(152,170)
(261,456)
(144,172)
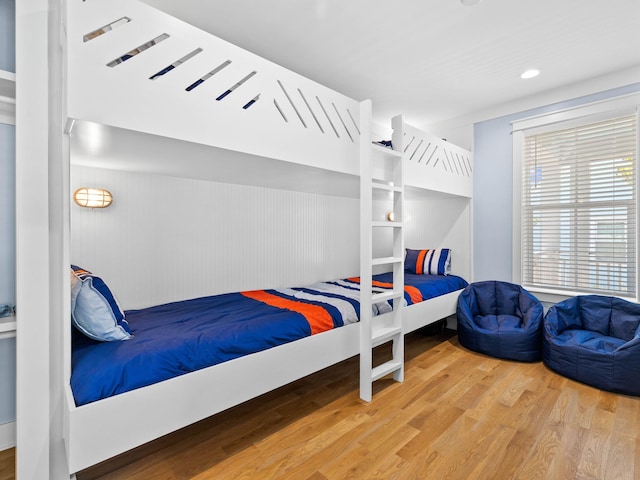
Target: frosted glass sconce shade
(92,197)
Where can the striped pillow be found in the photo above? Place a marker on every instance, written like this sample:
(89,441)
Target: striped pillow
(428,262)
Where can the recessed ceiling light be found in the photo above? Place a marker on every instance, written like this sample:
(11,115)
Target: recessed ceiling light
(532,72)
(468,3)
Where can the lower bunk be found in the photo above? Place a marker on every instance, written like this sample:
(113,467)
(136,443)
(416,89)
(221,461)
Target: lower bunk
(108,415)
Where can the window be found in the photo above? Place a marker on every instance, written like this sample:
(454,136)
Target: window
(577,205)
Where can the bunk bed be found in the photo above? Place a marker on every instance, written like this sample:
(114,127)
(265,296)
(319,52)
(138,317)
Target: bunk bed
(137,72)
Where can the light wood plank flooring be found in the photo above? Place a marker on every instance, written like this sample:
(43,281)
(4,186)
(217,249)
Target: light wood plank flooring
(7,464)
(458,415)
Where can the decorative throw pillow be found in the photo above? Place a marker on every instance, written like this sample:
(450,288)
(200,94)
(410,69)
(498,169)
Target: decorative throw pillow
(94,309)
(428,262)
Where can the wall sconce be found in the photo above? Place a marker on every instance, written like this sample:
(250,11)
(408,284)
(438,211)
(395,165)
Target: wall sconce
(92,197)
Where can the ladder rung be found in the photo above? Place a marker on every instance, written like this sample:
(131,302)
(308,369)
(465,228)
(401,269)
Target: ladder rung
(387,224)
(383,335)
(386,320)
(384,296)
(386,150)
(385,186)
(386,260)
(385,369)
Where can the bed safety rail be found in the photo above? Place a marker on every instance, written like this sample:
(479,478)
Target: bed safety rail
(435,164)
(134,67)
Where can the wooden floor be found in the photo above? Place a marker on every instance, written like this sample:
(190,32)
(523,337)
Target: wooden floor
(458,415)
(7,464)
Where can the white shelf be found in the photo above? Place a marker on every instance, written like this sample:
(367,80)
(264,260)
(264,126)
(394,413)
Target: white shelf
(7,86)
(7,327)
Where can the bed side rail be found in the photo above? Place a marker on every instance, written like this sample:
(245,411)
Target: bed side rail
(435,164)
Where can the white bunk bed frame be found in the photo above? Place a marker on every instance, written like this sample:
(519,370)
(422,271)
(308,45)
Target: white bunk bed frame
(291,114)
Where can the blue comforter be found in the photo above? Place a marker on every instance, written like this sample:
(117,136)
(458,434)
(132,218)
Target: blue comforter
(176,338)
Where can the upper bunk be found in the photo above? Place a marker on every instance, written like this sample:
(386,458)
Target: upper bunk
(434,164)
(149,92)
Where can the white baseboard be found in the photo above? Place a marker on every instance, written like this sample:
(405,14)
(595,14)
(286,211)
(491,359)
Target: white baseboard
(7,435)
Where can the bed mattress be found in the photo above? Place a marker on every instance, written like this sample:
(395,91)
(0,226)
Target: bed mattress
(181,337)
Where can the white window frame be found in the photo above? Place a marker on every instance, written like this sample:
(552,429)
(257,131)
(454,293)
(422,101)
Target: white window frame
(592,112)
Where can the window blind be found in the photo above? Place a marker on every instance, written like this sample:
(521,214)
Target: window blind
(579,208)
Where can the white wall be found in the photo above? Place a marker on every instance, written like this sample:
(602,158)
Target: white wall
(433,220)
(166,238)
(439,221)
(458,131)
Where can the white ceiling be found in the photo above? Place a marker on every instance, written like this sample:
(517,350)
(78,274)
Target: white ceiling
(432,60)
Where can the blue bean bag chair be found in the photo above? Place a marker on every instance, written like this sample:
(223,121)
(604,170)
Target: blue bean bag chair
(595,340)
(500,319)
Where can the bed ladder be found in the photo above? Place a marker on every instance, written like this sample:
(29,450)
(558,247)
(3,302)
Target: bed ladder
(381,193)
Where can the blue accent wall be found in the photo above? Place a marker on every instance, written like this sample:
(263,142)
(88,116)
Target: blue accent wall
(7,269)
(493,186)
(7,219)
(7,35)
(7,380)
(7,214)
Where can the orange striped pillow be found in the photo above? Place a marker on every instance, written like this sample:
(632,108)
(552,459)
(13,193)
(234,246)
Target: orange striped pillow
(436,261)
